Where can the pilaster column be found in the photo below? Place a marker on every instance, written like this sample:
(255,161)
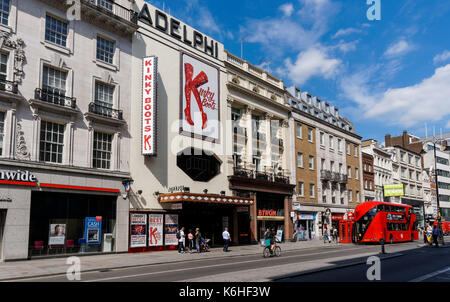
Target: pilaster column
(118,139)
(253,221)
(249,146)
(285,157)
(288,225)
(267,157)
(12,133)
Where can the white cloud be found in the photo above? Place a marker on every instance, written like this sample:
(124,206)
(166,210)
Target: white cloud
(310,63)
(345,32)
(442,57)
(398,48)
(278,35)
(346,46)
(415,104)
(287,9)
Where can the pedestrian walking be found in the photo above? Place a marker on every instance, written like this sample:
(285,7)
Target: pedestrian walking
(326,237)
(429,234)
(198,238)
(190,241)
(335,235)
(180,237)
(436,234)
(226,239)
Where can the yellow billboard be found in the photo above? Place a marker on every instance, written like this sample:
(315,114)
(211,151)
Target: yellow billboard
(393,190)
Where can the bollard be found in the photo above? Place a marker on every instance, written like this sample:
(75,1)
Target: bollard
(382,246)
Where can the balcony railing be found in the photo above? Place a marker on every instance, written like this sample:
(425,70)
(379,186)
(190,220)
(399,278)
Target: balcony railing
(105,111)
(325,174)
(343,178)
(8,86)
(118,10)
(257,175)
(335,177)
(55,97)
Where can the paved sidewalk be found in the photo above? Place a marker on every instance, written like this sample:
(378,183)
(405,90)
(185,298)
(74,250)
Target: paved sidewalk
(52,266)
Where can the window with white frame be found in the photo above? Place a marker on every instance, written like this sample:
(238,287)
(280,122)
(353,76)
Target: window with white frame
(349,171)
(310,135)
(300,188)
(331,142)
(54,81)
(356,151)
(348,148)
(299,130)
(51,142)
(350,197)
(322,164)
(356,173)
(339,145)
(322,139)
(357,196)
(300,160)
(104,95)
(56,31)
(311,162)
(5,7)
(101,157)
(2,129)
(105,50)
(311,190)
(3,70)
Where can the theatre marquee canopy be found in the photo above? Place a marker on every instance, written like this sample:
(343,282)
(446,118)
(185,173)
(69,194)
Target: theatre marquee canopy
(208,198)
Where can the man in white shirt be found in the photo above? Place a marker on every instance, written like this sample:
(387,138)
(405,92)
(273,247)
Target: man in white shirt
(181,240)
(226,238)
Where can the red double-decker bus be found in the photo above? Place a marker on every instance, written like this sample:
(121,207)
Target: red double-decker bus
(375,220)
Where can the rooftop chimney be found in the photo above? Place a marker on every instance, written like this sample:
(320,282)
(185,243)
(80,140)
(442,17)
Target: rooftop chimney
(387,140)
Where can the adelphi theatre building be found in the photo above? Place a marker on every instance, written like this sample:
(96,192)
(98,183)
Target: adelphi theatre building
(181,158)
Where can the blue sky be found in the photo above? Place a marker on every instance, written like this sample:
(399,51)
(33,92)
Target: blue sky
(386,75)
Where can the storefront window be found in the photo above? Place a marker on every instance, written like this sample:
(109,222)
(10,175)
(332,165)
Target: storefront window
(64,223)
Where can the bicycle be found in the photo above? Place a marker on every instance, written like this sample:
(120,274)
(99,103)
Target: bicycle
(267,252)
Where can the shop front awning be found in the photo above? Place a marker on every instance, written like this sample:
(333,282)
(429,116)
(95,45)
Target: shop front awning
(204,198)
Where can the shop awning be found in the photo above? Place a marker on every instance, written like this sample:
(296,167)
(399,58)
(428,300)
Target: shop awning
(208,198)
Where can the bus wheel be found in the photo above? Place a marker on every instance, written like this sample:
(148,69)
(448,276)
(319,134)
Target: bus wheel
(391,239)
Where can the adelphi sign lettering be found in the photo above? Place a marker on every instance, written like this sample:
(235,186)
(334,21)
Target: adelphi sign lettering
(173,27)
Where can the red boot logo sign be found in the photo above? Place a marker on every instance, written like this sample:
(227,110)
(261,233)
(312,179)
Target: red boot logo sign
(200,99)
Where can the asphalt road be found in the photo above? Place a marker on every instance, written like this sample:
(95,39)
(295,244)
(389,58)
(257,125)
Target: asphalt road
(414,262)
(426,264)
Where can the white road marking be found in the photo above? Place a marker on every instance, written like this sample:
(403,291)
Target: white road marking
(202,267)
(431,275)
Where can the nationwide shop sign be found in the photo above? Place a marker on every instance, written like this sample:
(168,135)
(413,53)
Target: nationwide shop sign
(149,102)
(170,230)
(19,175)
(138,231)
(93,230)
(199,110)
(57,234)
(155,229)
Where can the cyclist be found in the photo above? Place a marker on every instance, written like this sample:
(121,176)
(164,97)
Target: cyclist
(273,242)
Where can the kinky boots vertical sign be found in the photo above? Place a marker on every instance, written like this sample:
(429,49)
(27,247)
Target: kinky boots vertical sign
(149,82)
(199,99)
